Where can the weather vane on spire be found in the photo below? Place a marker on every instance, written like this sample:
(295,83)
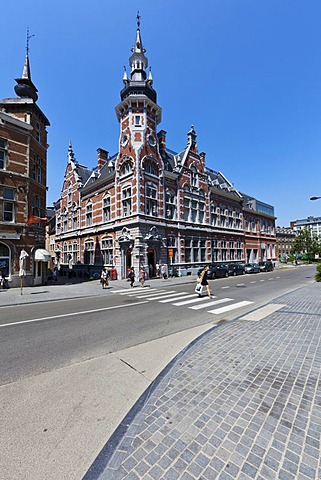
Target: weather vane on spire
(28,39)
(138,19)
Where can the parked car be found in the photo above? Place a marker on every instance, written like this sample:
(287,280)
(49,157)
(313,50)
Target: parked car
(252,268)
(266,266)
(236,269)
(218,270)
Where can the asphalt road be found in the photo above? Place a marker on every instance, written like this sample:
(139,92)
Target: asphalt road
(70,370)
(41,337)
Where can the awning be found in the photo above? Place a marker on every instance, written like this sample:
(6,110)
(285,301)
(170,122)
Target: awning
(42,255)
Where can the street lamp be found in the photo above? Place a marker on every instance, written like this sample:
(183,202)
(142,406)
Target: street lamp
(315,198)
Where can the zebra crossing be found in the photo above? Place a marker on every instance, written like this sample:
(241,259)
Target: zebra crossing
(190,300)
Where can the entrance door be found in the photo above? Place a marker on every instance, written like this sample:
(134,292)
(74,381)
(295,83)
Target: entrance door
(151,262)
(38,269)
(128,261)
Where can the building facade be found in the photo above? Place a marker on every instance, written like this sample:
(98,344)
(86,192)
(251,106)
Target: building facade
(285,237)
(311,223)
(23,181)
(148,205)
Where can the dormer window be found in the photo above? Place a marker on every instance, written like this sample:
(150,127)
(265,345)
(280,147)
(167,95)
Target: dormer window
(194,177)
(69,193)
(137,121)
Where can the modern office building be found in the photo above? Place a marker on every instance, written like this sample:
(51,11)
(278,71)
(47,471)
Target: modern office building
(311,223)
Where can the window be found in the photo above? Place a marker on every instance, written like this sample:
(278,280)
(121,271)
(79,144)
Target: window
(126,201)
(151,169)
(38,132)
(36,205)
(89,214)
(137,120)
(194,176)
(38,173)
(186,208)
(69,193)
(107,251)
(126,169)
(3,153)
(106,208)
(89,253)
(5,262)
(201,212)
(8,205)
(170,204)
(74,253)
(151,199)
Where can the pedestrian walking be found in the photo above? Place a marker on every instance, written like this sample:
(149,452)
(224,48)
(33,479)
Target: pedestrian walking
(202,280)
(142,276)
(104,277)
(131,276)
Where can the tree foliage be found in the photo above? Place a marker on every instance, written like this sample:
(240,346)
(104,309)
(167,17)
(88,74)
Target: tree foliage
(306,243)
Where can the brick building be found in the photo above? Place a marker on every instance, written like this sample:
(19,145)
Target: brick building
(148,205)
(23,180)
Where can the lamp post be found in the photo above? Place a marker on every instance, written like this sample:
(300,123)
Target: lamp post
(315,198)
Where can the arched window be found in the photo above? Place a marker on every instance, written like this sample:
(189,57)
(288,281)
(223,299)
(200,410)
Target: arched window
(126,169)
(151,168)
(5,259)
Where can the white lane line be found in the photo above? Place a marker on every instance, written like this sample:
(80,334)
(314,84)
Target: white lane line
(254,281)
(130,292)
(262,280)
(278,277)
(72,314)
(234,306)
(186,302)
(151,295)
(172,296)
(225,287)
(271,278)
(240,284)
(184,296)
(210,304)
(263,312)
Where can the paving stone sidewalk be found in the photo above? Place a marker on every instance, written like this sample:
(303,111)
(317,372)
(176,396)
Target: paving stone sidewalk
(242,402)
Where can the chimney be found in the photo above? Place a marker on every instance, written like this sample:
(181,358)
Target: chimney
(102,158)
(162,140)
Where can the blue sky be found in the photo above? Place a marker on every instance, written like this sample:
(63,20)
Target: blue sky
(245,73)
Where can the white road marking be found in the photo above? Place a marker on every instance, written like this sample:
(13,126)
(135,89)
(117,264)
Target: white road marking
(225,287)
(72,314)
(240,284)
(234,306)
(145,294)
(186,302)
(210,304)
(172,296)
(129,291)
(151,295)
(254,281)
(184,296)
(271,278)
(263,312)
(262,280)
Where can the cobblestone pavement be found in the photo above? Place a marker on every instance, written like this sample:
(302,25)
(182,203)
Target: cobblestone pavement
(242,402)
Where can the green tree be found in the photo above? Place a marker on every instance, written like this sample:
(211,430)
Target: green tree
(306,244)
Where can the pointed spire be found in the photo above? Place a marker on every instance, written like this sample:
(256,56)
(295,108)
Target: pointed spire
(25,88)
(191,135)
(150,77)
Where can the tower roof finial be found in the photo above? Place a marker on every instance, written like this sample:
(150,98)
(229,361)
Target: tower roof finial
(28,40)
(138,19)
